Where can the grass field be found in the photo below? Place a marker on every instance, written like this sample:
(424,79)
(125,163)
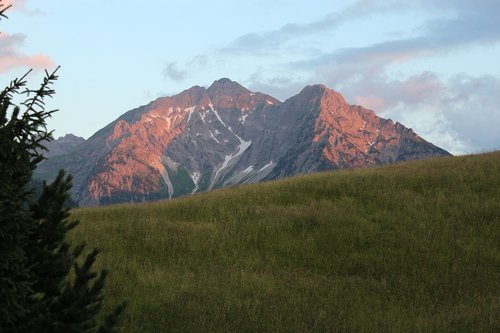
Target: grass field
(412,247)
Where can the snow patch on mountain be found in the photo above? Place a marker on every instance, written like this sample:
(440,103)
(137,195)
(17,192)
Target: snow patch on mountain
(164,174)
(229,159)
(373,142)
(191,111)
(213,136)
(243,118)
(196,176)
(266,166)
(248,170)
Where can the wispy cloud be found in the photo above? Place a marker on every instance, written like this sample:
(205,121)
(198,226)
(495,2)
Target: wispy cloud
(173,72)
(279,86)
(266,43)
(477,26)
(269,41)
(471,23)
(11,57)
(180,72)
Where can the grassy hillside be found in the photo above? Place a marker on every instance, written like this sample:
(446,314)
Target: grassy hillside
(412,247)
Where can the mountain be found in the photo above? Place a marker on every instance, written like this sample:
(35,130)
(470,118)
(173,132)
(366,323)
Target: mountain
(62,145)
(203,139)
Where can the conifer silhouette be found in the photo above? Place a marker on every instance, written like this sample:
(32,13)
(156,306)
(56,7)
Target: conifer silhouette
(45,285)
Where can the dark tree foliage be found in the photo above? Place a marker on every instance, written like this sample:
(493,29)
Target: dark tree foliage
(44,284)
(36,187)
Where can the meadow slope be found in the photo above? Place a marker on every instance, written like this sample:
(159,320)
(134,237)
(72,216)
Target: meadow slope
(412,247)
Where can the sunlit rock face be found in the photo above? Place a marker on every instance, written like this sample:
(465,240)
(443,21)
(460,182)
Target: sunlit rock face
(203,139)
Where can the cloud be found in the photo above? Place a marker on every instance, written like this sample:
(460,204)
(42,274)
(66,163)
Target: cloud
(460,114)
(439,36)
(20,5)
(462,22)
(270,41)
(280,86)
(469,25)
(471,104)
(11,57)
(172,72)
(199,61)
(423,88)
(180,72)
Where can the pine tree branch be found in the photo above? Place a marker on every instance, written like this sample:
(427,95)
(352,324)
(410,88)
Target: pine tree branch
(14,87)
(3,10)
(37,101)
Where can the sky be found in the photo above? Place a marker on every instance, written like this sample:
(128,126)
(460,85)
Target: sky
(432,65)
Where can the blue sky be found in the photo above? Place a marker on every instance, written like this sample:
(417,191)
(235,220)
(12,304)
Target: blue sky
(433,65)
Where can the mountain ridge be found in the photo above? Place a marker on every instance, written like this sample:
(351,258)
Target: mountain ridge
(206,138)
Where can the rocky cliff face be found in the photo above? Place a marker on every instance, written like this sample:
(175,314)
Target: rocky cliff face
(203,138)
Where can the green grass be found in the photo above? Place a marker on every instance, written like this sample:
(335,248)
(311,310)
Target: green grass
(413,247)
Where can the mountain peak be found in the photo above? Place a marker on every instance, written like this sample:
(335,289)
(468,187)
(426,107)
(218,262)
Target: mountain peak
(227,94)
(70,136)
(193,91)
(323,93)
(226,85)
(319,86)
(224,80)
(319,89)
(62,145)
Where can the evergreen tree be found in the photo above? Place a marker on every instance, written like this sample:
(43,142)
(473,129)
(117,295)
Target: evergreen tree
(36,262)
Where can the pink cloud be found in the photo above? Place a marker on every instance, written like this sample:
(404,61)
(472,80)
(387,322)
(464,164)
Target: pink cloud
(371,102)
(17,4)
(418,88)
(371,87)
(11,57)
(37,62)
(20,5)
